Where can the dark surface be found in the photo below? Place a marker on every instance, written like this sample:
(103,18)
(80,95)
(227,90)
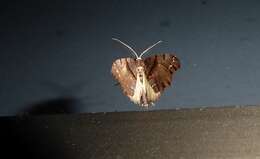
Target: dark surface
(231,132)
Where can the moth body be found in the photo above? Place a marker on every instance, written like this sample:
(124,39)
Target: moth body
(143,95)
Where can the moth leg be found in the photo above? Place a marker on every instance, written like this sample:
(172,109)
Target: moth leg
(145,105)
(144,100)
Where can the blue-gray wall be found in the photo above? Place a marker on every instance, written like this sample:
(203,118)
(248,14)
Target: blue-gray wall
(62,52)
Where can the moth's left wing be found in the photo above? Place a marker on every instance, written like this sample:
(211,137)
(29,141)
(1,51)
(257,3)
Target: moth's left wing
(123,71)
(160,69)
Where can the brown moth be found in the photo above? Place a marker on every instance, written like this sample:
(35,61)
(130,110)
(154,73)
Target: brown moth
(144,80)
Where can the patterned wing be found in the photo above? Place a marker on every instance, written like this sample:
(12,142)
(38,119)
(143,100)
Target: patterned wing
(160,69)
(124,72)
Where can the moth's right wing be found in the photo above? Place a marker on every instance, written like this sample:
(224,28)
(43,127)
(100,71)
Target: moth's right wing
(124,72)
(160,70)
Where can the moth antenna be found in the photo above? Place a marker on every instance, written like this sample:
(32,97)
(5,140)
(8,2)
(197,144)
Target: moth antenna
(130,48)
(149,48)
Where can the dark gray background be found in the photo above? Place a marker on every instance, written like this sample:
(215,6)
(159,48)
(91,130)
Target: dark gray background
(62,52)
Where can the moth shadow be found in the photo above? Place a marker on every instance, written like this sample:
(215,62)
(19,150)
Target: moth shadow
(60,105)
(68,101)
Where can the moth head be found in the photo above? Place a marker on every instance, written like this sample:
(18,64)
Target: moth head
(133,51)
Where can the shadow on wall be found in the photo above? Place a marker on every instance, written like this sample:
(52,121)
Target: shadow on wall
(59,105)
(68,101)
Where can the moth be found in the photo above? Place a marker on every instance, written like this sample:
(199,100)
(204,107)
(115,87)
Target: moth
(144,80)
